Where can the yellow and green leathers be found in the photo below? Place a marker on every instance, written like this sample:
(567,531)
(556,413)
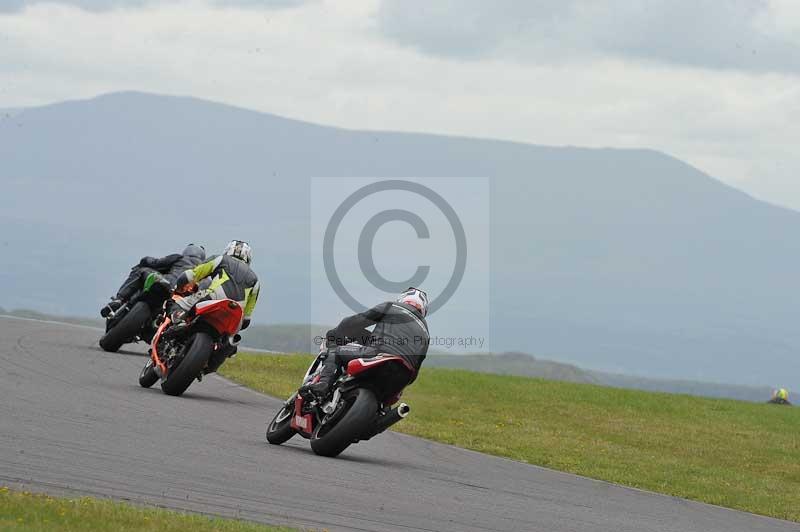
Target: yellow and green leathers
(780,397)
(230,278)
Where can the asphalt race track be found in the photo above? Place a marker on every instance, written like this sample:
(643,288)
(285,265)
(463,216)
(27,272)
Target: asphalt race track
(74,420)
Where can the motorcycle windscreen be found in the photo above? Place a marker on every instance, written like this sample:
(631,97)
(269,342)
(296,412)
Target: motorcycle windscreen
(224,315)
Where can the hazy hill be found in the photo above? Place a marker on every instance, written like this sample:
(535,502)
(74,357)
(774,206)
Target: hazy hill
(282,338)
(618,260)
(529,366)
(511,364)
(297,338)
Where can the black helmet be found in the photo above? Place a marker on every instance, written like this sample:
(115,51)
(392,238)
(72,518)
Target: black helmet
(195,250)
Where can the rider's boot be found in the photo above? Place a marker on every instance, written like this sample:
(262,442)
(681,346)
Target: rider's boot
(322,387)
(177,316)
(112,306)
(175,312)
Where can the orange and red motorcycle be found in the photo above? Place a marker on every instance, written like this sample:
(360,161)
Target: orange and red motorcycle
(184,351)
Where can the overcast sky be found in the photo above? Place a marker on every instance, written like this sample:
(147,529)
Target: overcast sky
(713,82)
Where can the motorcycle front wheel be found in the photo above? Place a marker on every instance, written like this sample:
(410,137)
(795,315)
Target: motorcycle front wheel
(148,375)
(330,439)
(280,428)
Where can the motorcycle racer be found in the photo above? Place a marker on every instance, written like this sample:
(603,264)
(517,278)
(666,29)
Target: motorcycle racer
(400,329)
(230,277)
(171,266)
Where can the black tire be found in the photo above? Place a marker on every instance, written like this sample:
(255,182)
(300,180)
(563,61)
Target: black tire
(351,425)
(280,428)
(197,353)
(148,375)
(127,328)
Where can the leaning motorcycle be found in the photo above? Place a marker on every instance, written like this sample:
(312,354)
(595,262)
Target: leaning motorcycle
(357,409)
(180,353)
(135,319)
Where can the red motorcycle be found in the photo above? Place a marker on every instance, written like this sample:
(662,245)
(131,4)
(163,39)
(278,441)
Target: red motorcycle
(180,353)
(358,408)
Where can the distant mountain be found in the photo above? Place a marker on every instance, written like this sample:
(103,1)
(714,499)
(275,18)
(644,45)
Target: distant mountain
(511,364)
(282,338)
(627,261)
(285,337)
(34,315)
(528,366)
(298,338)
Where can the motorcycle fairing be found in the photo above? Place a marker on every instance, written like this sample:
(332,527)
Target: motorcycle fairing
(360,365)
(225,315)
(303,423)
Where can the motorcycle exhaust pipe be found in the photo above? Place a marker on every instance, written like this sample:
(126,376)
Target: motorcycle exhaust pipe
(390,418)
(235,339)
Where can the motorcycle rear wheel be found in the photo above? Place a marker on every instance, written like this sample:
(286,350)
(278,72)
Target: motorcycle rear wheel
(331,441)
(280,428)
(126,330)
(197,353)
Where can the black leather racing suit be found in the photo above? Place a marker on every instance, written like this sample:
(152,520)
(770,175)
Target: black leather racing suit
(171,266)
(400,329)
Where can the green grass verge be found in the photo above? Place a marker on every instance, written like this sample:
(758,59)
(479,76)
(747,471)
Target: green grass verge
(27,512)
(731,453)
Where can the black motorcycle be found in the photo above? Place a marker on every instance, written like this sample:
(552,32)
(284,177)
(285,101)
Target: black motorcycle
(135,319)
(358,408)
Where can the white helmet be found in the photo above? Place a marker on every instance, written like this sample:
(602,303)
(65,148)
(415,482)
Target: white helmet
(416,298)
(239,249)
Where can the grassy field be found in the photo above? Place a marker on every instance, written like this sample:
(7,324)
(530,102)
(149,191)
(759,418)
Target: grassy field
(735,454)
(26,512)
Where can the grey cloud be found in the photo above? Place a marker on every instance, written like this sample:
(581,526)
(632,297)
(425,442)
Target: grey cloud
(12,6)
(466,28)
(705,33)
(268,4)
